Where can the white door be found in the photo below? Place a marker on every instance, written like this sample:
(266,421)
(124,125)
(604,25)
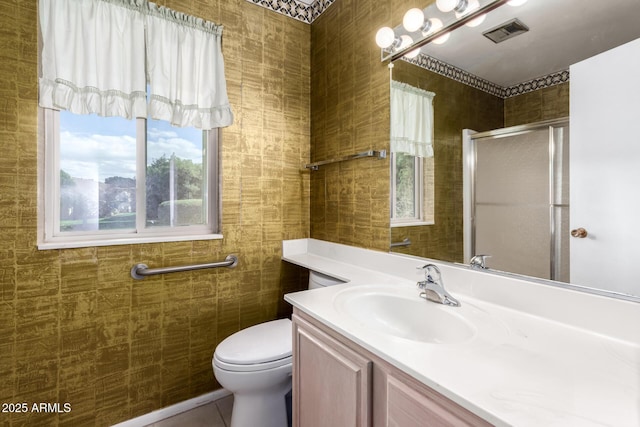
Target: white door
(605,170)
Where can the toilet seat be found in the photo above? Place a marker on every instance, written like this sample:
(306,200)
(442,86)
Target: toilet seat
(252,368)
(259,347)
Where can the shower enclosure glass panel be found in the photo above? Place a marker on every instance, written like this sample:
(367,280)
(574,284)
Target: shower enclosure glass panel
(520,200)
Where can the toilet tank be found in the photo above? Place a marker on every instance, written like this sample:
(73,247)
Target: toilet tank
(319,280)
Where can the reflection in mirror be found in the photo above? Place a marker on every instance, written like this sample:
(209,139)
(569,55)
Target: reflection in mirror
(484,86)
(516,198)
(411,144)
(456,106)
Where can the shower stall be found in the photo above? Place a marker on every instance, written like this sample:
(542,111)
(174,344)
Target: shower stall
(516,198)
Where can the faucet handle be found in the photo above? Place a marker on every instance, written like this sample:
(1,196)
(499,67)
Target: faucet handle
(479,261)
(431,273)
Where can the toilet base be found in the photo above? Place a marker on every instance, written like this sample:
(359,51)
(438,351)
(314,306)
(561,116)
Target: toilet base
(258,396)
(250,410)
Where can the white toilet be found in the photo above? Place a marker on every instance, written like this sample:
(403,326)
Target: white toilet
(255,365)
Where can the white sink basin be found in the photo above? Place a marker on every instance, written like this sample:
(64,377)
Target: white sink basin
(399,311)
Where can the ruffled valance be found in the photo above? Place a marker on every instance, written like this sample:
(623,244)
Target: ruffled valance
(97,54)
(92,55)
(186,79)
(411,120)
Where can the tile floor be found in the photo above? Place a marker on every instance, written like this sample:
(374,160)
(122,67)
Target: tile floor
(214,414)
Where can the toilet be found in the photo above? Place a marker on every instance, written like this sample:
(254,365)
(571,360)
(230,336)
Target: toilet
(255,365)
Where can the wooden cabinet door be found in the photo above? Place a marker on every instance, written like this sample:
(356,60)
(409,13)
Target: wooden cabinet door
(331,383)
(409,406)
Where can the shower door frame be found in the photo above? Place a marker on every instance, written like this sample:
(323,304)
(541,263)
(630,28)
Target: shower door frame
(469,162)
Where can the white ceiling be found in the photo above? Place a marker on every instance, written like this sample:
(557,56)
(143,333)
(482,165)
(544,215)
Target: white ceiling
(562,32)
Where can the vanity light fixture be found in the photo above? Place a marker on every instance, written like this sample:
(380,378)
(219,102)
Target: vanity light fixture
(413,53)
(436,25)
(406,42)
(468,12)
(386,37)
(413,20)
(471,6)
(449,5)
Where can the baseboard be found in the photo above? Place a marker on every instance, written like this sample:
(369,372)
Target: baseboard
(178,408)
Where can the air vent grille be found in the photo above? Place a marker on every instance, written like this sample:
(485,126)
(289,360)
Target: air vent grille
(506,31)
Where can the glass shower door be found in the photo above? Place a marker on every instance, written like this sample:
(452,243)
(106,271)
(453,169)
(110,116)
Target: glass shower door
(521,201)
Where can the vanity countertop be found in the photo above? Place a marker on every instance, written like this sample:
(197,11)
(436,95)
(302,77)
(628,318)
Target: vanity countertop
(554,357)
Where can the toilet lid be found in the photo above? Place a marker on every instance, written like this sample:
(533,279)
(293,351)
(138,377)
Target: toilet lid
(261,343)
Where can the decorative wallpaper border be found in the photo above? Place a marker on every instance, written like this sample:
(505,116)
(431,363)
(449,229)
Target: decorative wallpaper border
(296,9)
(432,64)
(538,83)
(459,75)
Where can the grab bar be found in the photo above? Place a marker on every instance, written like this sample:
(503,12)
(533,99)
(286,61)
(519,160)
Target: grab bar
(405,242)
(382,154)
(140,271)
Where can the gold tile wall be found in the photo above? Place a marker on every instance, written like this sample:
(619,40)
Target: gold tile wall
(456,106)
(74,326)
(543,104)
(350,114)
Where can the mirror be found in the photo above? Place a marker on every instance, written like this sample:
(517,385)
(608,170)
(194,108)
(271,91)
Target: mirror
(483,86)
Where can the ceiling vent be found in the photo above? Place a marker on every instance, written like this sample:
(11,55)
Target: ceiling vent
(505,31)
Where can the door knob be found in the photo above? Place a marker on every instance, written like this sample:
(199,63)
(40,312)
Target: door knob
(579,233)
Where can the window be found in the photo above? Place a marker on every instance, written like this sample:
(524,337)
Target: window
(109,175)
(412,190)
(109,179)
(412,165)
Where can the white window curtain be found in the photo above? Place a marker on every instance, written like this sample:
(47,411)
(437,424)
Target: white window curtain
(96,58)
(92,57)
(411,120)
(186,70)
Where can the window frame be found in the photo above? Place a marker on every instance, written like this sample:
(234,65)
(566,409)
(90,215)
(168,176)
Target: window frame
(419,195)
(49,236)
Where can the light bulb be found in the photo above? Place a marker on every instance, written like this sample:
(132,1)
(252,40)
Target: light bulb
(405,41)
(471,6)
(413,53)
(436,25)
(446,5)
(385,37)
(475,22)
(516,2)
(413,19)
(443,38)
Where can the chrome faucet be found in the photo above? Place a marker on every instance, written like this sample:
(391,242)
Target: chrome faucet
(479,262)
(433,288)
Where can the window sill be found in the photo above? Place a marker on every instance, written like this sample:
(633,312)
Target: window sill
(79,243)
(410,224)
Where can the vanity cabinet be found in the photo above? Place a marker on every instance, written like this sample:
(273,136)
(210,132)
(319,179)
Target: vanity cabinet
(331,382)
(338,383)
